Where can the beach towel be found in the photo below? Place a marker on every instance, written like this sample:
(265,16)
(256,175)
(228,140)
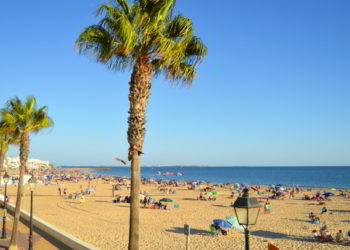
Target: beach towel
(268,207)
(314,222)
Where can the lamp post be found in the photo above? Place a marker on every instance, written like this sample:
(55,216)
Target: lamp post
(247,212)
(6,178)
(32,184)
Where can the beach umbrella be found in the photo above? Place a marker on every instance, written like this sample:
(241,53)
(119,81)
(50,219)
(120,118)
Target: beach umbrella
(222,223)
(234,222)
(328,194)
(166,200)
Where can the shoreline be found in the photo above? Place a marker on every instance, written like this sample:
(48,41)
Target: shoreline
(164,178)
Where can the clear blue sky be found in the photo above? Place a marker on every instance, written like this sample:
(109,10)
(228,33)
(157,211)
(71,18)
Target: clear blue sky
(274,89)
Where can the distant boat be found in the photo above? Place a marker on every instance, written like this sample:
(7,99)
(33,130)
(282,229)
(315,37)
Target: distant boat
(172,173)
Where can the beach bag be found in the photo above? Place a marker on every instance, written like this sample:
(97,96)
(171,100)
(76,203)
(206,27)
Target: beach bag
(176,206)
(223,232)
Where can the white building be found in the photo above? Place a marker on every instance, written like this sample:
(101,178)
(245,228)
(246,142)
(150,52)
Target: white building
(14,162)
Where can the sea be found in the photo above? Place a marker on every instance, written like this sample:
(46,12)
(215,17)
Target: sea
(307,177)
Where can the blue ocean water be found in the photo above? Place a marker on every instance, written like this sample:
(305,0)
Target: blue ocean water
(314,177)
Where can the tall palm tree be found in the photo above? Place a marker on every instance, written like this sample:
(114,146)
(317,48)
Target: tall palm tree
(147,38)
(23,118)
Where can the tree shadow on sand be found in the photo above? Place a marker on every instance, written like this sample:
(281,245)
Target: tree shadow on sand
(103,201)
(274,235)
(339,211)
(299,220)
(219,205)
(180,230)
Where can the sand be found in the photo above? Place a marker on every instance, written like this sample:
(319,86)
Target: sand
(104,224)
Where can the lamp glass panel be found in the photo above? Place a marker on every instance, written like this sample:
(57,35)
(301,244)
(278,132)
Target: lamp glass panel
(6,179)
(242,215)
(253,215)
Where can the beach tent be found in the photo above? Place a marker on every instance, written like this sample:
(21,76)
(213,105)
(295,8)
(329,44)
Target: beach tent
(234,222)
(222,223)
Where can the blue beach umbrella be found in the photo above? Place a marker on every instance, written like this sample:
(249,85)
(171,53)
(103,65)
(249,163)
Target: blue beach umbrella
(328,194)
(222,223)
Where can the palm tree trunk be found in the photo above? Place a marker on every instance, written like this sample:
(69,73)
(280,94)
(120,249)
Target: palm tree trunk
(138,96)
(23,163)
(2,159)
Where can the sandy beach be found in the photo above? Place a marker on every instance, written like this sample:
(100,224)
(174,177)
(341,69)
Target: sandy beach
(104,224)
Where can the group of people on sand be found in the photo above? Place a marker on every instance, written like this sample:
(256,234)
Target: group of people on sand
(147,201)
(118,199)
(150,203)
(203,198)
(65,191)
(325,236)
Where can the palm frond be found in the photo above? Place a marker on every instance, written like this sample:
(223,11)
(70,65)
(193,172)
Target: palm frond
(179,27)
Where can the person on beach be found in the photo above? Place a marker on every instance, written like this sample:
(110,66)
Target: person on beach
(325,235)
(339,236)
(324,210)
(316,235)
(60,191)
(312,216)
(201,196)
(145,201)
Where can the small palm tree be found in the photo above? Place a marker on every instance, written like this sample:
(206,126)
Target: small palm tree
(5,140)
(23,118)
(7,137)
(147,38)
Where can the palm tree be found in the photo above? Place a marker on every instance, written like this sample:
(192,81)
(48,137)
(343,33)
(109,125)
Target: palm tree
(147,38)
(6,138)
(5,141)
(23,118)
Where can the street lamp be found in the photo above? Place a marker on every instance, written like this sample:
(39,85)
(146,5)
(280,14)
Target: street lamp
(5,178)
(32,184)
(247,212)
